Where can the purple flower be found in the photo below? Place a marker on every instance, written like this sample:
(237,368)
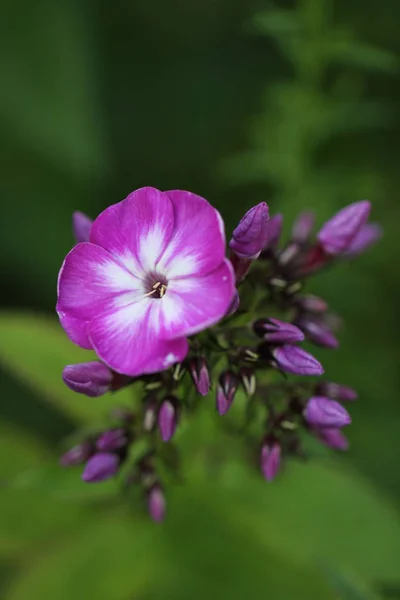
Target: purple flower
(226,391)
(77,455)
(368,235)
(323,412)
(92,379)
(153,273)
(100,467)
(317,331)
(167,419)
(336,391)
(111,440)
(337,234)
(250,236)
(156,503)
(278,332)
(292,359)
(200,375)
(302,227)
(81,225)
(334,438)
(270,460)
(274,230)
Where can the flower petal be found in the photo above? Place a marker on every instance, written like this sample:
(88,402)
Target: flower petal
(192,304)
(197,246)
(92,281)
(136,230)
(127,340)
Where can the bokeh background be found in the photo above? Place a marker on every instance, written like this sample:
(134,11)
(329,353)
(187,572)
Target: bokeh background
(291,102)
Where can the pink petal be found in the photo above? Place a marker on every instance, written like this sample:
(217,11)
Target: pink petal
(194,303)
(91,281)
(127,340)
(136,230)
(198,243)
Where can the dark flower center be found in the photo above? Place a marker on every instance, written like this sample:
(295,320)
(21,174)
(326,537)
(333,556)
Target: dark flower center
(156,285)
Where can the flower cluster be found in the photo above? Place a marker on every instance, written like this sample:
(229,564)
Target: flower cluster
(148,287)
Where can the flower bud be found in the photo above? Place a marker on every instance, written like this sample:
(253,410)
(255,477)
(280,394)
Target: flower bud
(368,235)
(100,467)
(77,455)
(150,415)
(167,419)
(111,440)
(337,234)
(226,391)
(278,332)
(92,378)
(248,381)
(323,412)
(156,503)
(201,378)
(250,236)
(274,230)
(81,226)
(333,438)
(234,305)
(336,391)
(297,361)
(270,459)
(302,227)
(311,303)
(317,331)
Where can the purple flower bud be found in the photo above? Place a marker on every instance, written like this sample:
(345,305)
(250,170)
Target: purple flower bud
(323,412)
(278,332)
(270,460)
(234,305)
(337,234)
(81,226)
(302,227)
(274,230)
(167,419)
(292,359)
(111,440)
(250,236)
(92,379)
(77,455)
(248,380)
(317,331)
(336,391)
(333,438)
(226,390)
(200,375)
(150,415)
(100,467)
(311,303)
(368,235)
(156,503)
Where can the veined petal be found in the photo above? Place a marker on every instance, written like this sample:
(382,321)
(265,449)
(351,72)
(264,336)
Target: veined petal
(127,340)
(192,304)
(197,246)
(136,230)
(91,281)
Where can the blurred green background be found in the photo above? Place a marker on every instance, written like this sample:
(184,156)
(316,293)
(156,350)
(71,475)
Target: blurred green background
(292,102)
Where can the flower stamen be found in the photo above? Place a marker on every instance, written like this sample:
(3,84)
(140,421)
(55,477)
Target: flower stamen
(159,290)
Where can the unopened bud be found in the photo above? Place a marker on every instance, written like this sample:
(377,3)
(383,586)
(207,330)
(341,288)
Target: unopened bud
(167,419)
(334,438)
(199,372)
(226,390)
(317,331)
(111,440)
(336,391)
(81,226)
(323,412)
(368,235)
(92,378)
(77,455)
(302,227)
(278,332)
(250,236)
(295,360)
(156,503)
(337,234)
(270,460)
(100,467)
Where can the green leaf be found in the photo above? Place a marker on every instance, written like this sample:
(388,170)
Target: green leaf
(35,349)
